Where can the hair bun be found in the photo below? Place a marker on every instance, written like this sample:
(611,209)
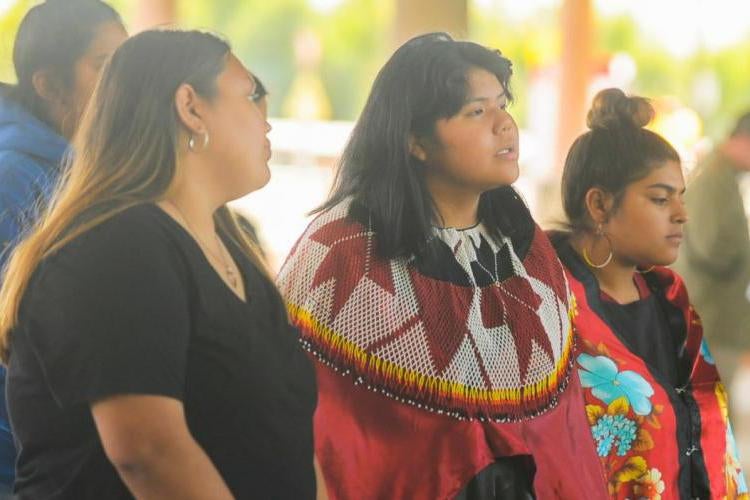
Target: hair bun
(611,107)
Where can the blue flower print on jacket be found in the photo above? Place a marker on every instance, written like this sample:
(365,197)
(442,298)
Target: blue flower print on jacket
(600,374)
(614,430)
(706,353)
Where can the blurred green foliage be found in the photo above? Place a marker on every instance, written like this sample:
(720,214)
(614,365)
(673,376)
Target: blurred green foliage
(356,39)
(262,35)
(660,73)
(534,45)
(9,20)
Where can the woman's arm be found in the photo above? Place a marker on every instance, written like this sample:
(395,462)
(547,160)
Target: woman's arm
(147,440)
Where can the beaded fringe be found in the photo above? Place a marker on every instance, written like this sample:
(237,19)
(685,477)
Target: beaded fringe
(431,393)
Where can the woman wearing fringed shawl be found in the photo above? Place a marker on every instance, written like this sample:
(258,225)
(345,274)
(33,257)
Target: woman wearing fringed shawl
(436,308)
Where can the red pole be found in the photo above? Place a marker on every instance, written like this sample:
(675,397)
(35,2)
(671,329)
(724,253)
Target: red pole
(575,73)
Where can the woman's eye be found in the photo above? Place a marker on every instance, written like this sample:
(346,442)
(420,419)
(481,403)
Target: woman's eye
(476,112)
(255,96)
(660,201)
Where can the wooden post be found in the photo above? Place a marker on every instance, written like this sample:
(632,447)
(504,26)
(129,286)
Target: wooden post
(414,17)
(152,13)
(577,27)
(575,73)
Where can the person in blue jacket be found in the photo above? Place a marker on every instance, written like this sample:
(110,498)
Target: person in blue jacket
(59,49)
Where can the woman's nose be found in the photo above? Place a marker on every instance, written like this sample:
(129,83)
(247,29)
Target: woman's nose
(503,122)
(680,216)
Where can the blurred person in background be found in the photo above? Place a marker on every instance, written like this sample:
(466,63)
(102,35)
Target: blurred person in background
(59,49)
(149,353)
(435,307)
(657,409)
(715,262)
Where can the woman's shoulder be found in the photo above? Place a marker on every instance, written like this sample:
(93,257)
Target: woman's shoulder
(25,141)
(343,221)
(336,242)
(129,251)
(19,173)
(18,164)
(141,220)
(142,231)
(668,281)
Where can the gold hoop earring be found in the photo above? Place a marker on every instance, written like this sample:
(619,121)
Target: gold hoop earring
(645,271)
(599,232)
(191,142)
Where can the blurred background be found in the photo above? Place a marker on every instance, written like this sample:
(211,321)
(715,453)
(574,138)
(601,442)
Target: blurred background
(319,57)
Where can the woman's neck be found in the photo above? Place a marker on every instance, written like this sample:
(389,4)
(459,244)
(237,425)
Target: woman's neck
(193,202)
(456,207)
(616,278)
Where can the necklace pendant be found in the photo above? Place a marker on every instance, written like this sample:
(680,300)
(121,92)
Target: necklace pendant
(231,277)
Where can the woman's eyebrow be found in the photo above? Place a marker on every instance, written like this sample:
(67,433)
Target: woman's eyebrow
(480,99)
(660,185)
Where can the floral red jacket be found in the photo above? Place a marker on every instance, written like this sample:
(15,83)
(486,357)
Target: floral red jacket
(655,441)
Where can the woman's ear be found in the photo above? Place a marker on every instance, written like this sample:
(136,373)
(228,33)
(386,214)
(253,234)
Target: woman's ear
(48,88)
(190,109)
(416,148)
(599,204)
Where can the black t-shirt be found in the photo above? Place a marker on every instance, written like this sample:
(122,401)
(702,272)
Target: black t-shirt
(133,307)
(645,330)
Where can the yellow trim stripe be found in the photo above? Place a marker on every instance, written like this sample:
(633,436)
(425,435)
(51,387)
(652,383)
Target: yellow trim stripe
(369,363)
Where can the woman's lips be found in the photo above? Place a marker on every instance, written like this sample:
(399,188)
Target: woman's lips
(508,153)
(675,238)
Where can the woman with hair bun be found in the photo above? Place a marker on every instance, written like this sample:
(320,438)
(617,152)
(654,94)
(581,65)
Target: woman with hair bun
(655,404)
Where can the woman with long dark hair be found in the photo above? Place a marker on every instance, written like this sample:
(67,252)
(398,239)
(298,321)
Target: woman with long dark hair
(656,407)
(58,52)
(436,309)
(149,353)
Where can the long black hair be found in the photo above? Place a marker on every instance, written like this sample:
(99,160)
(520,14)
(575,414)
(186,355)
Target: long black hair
(126,151)
(614,153)
(52,36)
(422,82)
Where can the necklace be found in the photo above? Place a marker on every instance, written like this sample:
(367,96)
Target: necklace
(504,291)
(468,239)
(231,275)
(496,284)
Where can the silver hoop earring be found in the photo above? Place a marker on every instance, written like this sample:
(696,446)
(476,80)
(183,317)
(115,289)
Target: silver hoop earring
(191,142)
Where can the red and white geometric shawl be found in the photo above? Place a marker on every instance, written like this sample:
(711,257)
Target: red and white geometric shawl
(497,352)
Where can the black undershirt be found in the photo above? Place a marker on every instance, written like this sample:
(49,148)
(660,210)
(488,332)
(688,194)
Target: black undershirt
(646,331)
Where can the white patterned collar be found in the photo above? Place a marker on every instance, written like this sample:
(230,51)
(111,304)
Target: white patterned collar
(474,234)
